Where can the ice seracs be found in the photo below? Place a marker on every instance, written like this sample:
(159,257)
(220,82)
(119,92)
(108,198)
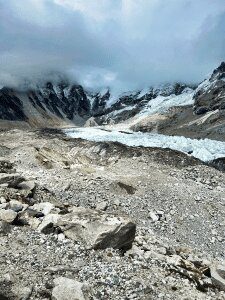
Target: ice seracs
(203,149)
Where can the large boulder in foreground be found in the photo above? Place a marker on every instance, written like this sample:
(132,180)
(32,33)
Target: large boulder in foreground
(68,289)
(96,229)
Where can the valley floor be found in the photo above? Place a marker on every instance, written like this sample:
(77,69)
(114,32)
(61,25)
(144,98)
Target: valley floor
(176,201)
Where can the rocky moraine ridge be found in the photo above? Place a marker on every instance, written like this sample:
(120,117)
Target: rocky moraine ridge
(86,220)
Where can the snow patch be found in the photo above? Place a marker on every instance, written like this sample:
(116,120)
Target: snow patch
(161,104)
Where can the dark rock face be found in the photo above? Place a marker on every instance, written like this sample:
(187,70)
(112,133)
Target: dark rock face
(62,100)
(99,104)
(210,95)
(11,108)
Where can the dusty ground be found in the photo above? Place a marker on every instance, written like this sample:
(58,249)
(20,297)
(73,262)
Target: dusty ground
(177,203)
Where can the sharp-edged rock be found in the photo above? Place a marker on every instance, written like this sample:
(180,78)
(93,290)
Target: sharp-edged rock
(102,205)
(48,223)
(68,289)
(44,207)
(97,229)
(12,180)
(27,187)
(218,276)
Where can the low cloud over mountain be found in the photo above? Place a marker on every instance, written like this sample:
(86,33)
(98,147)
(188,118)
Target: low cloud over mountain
(124,44)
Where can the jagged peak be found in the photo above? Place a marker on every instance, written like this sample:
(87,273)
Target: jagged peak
(220,69)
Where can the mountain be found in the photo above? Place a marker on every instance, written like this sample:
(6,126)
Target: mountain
(63,103)
(195,111)
(210,94)
(47,105)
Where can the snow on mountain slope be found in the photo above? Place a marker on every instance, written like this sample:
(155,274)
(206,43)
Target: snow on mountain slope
(138,104)
(210,94)
(161,104)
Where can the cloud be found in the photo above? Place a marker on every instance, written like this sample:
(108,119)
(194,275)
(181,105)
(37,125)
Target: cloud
(124,44)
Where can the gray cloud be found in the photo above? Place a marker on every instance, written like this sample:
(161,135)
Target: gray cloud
(125,44)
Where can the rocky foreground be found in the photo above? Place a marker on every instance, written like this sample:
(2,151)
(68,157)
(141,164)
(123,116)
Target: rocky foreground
(85,220)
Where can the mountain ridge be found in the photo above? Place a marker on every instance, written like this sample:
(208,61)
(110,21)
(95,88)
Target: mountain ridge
(66,104)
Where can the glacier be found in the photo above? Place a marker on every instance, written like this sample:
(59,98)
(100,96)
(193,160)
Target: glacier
(204,149)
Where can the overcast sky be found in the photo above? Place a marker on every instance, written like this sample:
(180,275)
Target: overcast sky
(124,44)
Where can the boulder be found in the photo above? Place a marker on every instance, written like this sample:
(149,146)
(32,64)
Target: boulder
(2,200)
(49,223)
(5,166)
(97,229)
(8,215)
(30,212)
(218,276)
(15,205)
(22,293)
(201,110)
(68,289)
(4,205)
(27,187)
(29,217)
(4,228)
(43,207)
(12,180)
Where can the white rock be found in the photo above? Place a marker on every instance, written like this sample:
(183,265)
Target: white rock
(61,237)
(44,207)
(48,222)
(34,222)
(4,206)
(153,216)
(2,200)
(102,205)
(8,215)
(68,289)
(135,251)
(116,202)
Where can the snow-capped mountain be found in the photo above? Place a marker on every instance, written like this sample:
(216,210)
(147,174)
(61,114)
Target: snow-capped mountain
(54,104)
(148,101)
(50,104)
(210,94)
(65,104)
